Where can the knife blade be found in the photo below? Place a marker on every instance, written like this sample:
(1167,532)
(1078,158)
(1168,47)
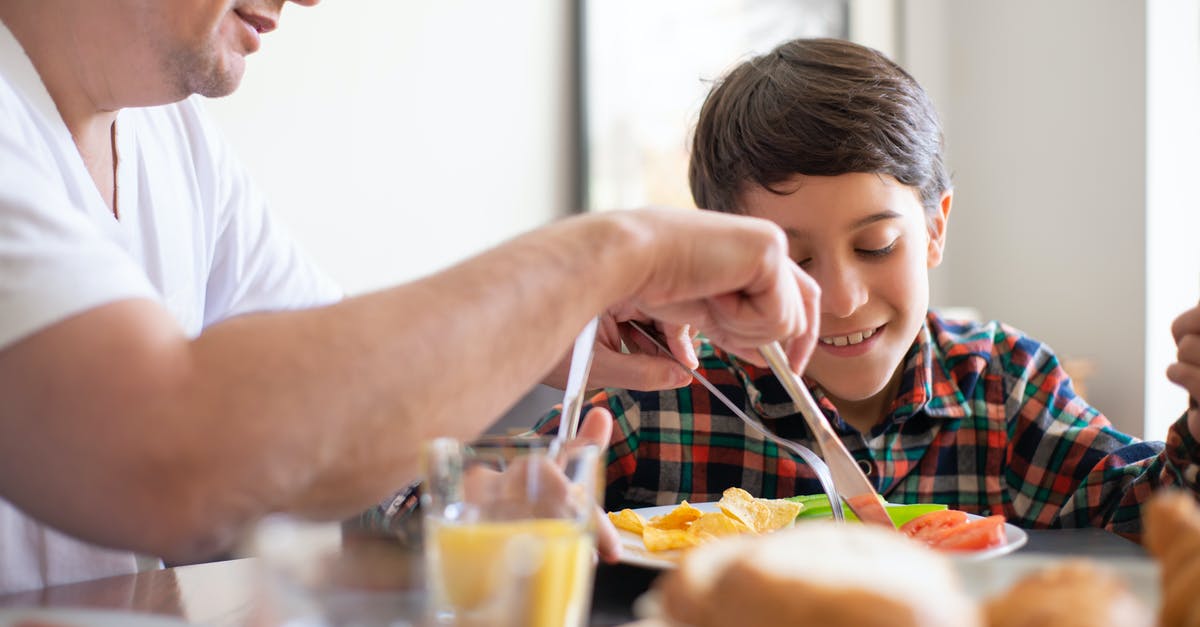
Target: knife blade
(853,485)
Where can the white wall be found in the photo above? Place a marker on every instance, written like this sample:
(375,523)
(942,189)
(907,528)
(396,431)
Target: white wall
(1173,205)
(1045,110)
(399,136)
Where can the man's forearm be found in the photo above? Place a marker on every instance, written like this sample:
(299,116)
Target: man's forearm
(271,410)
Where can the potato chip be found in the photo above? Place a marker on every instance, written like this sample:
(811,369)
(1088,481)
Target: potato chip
(687,526)
(678,518)
(657,539)
(718,524)
(737,503)
(780,513)
(761,515)
(628,520)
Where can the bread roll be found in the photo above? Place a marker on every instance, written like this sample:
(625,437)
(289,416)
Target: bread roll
(1076,593)
(816,574)
(1172,534)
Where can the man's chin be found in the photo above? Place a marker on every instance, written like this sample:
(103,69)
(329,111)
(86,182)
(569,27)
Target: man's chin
(220,81)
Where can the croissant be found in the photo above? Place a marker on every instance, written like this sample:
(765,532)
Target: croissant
(1076,593)
(1171,524)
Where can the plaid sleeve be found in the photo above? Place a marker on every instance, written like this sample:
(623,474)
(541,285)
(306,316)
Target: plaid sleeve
(1067,466)
(622,448)
(1182,465)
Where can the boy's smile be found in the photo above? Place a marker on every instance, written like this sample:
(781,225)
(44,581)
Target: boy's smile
(869,243)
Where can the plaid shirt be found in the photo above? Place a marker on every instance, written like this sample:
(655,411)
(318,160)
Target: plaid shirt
(985,421)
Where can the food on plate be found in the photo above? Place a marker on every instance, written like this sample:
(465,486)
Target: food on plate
(817,506)
(818,573)
(761,515)
(628,520)
(1097,598)
(1172,534)
(685,526)
(953,530)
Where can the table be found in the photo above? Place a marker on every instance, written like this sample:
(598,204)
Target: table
(222,594)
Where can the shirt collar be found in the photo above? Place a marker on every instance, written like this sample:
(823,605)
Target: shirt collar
(17,69)
(926,385)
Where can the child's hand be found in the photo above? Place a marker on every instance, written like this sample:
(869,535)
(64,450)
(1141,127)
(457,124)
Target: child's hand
(1186,371)
(597,429)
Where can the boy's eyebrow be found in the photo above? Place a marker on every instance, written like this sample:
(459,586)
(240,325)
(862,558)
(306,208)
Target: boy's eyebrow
(876,217)
(887,214)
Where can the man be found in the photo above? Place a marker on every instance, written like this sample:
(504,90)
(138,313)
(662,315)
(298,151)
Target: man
(172,367)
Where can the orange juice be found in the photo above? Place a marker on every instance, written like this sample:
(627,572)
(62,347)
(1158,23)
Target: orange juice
(534,572)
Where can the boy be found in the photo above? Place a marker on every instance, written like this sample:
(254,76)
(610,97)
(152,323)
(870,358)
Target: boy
(842,148)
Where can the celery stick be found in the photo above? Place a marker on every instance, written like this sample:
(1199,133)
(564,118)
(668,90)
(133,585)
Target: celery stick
(816,506)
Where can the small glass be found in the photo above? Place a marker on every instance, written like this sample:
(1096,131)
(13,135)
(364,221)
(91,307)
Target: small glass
(509,531)
(337,574)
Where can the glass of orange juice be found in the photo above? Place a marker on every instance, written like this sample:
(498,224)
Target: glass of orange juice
(509,537)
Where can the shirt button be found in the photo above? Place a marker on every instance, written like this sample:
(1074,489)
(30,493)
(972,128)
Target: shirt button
(866,467)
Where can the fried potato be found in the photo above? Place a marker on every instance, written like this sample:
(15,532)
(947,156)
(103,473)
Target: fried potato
(628,520)
(657,539)
(780,513)
(678,518)
(761,515)
(687,526)
(737,503)
(718,524)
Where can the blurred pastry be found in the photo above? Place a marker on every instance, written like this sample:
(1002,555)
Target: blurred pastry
(1172,534)
(1076,593)
(816,574)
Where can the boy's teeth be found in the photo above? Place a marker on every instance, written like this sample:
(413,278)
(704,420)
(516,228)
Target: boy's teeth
(845,340)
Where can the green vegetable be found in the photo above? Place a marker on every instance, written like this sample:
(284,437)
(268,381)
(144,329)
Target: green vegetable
(816,506)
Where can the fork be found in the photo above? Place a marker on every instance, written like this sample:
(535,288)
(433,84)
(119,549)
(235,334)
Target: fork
(819,468)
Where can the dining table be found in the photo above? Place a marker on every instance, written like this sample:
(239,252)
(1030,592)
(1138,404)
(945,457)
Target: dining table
(229,593)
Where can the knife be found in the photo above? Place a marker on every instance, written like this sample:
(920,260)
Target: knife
(858,493)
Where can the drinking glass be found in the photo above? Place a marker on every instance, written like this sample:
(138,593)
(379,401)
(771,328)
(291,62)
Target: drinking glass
(337,574)
(509,535)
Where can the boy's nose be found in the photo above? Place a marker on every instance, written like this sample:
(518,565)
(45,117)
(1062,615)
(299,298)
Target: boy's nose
(842,292)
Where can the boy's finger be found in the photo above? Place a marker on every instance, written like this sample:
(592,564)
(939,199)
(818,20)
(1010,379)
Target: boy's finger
(597,427)
(608,541)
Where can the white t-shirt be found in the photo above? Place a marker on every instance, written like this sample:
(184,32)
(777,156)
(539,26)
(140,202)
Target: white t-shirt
(193,234)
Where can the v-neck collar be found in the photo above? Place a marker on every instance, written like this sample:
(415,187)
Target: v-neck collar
(925,387)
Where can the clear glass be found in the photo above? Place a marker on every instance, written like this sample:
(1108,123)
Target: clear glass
(327,574)
(509,535)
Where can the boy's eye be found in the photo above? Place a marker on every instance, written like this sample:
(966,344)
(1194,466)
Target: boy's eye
(804,263)
(877,252)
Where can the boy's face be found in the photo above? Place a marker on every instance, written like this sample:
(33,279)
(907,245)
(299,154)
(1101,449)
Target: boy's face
(866,240)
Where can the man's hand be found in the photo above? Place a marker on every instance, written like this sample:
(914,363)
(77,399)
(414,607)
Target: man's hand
(1186,371)
(643,367)
(731,278)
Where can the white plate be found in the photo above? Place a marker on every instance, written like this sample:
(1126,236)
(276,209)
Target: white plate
(634,552)
(66,617)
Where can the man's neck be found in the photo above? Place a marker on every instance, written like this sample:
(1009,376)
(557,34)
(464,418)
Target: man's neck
(60,56)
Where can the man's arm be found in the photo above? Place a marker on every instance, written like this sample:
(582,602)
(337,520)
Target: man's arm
(118,429)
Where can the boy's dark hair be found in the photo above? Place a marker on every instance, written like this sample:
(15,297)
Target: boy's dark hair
(818,107)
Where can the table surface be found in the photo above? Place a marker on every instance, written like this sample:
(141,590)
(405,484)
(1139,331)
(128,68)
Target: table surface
(224,593)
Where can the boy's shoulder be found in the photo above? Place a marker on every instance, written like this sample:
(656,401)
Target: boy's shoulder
(989,344)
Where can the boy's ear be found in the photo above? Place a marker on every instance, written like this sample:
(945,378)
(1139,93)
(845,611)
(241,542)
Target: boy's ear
(937,229)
